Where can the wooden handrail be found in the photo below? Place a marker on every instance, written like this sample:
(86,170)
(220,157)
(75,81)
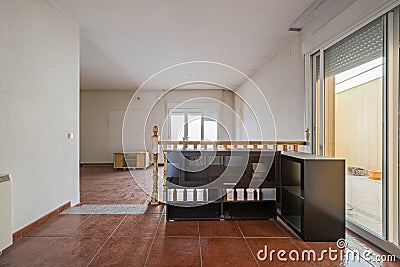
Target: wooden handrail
(234,142)
(276,145)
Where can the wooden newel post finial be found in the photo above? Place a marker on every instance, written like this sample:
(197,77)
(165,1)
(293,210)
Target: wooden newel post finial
(154,139)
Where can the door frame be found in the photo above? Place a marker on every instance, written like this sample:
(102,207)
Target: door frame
(391,135)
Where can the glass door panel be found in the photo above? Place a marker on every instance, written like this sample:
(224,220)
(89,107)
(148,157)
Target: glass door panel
(194,126)
(210,129)
(177,126)
(349,119)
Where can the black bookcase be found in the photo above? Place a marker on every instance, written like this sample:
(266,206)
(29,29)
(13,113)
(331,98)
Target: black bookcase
(219,170)
(312,195)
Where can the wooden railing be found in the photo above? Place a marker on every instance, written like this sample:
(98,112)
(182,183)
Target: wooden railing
(166,144)
(276,145)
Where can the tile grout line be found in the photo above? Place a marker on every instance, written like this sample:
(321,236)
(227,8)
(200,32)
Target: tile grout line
(245,240)
(292,239)
(268,237)
(283,229)
(61,236)
(218,237)
(198,230)
(90,215)
(104,243)
(154,238)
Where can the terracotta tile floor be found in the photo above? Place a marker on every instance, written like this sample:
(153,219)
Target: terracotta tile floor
(148,240)
(104,185)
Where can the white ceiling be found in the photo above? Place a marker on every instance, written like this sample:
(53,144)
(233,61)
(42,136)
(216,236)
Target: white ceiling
(124,42)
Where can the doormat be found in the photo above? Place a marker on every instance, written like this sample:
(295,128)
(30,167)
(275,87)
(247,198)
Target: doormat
(107,209)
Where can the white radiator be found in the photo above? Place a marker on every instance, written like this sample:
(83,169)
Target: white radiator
(5,212)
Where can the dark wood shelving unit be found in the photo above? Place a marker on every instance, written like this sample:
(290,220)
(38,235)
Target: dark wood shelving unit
(311,196)
(218,170)
(306,191)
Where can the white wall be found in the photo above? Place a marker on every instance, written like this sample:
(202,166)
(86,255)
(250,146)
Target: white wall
(95,106)
(281,81)
(339,19)
(102,117)
(39,105)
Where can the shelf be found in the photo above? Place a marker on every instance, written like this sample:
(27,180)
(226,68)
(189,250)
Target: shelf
(249,210)
(190,203)
(312,196)
(131,160)
(259,175)
(294,190)
(233,172)
(246,201)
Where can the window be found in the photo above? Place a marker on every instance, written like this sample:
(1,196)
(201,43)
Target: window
(177,121)
(193,124)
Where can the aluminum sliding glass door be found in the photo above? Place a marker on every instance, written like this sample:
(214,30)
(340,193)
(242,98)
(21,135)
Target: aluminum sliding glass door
(318,110)
(349,88)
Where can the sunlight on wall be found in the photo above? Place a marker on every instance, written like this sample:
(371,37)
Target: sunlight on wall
(358,115)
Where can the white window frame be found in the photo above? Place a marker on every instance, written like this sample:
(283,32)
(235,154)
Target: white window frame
(186,108)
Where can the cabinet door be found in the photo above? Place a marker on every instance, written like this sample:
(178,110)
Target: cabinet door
(140,160)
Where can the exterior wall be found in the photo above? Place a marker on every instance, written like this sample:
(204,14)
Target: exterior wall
(358,125)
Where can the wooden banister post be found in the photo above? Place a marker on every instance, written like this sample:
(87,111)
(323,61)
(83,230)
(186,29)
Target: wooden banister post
(154,139)
(165,167)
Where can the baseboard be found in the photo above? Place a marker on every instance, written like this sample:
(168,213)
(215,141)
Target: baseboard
(20,233)
(107,164)
(101,164)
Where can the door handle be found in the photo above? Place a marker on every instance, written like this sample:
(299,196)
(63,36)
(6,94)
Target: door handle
(307,131)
